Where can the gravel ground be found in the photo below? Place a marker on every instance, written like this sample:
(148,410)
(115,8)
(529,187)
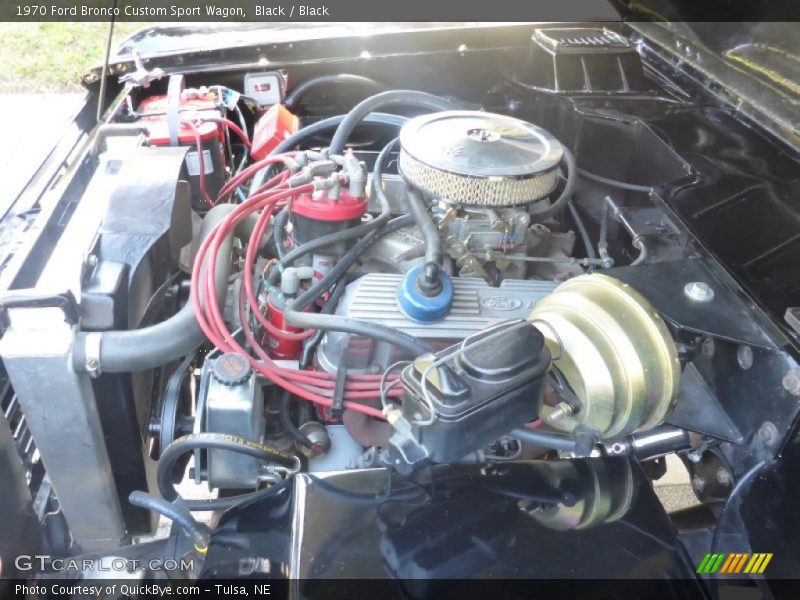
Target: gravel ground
(674,489)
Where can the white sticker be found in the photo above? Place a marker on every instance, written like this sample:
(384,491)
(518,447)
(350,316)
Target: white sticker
(193,163)
(264,88)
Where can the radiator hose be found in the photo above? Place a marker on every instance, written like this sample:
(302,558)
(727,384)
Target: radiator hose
(150,347)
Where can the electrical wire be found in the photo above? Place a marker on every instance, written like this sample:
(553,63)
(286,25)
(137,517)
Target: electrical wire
(230,126)
(311,385)
(201,164)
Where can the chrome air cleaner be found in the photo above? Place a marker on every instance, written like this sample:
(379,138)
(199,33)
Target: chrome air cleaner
(480,159)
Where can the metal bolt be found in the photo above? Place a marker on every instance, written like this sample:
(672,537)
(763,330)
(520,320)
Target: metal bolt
(768,433)
(791,383)
(698,484)
(708,348)
(93,368)
(744,356)
(698,291)
(723,477)
(560,411)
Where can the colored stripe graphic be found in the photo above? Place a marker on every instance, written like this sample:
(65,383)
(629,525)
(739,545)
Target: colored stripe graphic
(734,562)
(729,563)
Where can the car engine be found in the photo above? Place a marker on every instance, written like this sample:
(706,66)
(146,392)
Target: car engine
(359,264)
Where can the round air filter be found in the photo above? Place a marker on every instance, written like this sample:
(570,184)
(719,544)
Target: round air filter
(479,158)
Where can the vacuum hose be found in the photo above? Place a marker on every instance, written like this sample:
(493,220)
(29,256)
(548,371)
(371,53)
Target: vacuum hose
(362,109)
(431,281)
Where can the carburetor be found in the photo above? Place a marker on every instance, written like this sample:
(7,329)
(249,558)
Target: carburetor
(485,170)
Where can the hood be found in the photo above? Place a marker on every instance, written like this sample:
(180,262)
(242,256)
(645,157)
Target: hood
(750,64)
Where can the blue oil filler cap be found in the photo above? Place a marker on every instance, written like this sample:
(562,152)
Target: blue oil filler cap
(419,307)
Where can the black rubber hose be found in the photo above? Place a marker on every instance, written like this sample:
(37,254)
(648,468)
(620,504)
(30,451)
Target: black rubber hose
(156,345)
(545,439)
(569,188)
(582,231)
(330,305)
(393,97)
(409,493)
(299,91)
(288,426)
(180,515)
(377,179)
(214,504)
(431,282)
(294,314)
(311,131)
(210,441)
(347,260)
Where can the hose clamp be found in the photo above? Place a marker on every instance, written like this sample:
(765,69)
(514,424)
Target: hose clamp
(92,352)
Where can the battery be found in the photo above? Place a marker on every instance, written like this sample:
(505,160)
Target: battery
(153,115)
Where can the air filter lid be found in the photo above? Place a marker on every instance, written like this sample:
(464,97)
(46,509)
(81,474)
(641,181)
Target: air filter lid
(479,158)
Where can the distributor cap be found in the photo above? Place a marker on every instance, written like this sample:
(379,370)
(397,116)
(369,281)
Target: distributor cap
(479,158)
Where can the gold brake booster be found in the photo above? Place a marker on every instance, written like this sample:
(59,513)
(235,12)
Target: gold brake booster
(614,352)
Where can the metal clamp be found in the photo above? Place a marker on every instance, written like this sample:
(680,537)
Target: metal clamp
(91,350)
(141,77)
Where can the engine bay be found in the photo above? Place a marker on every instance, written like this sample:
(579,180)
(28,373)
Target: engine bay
(424,263)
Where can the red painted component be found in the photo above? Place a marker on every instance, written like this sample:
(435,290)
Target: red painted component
(280,348)
(153,112)
(321,208)
(271,129)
